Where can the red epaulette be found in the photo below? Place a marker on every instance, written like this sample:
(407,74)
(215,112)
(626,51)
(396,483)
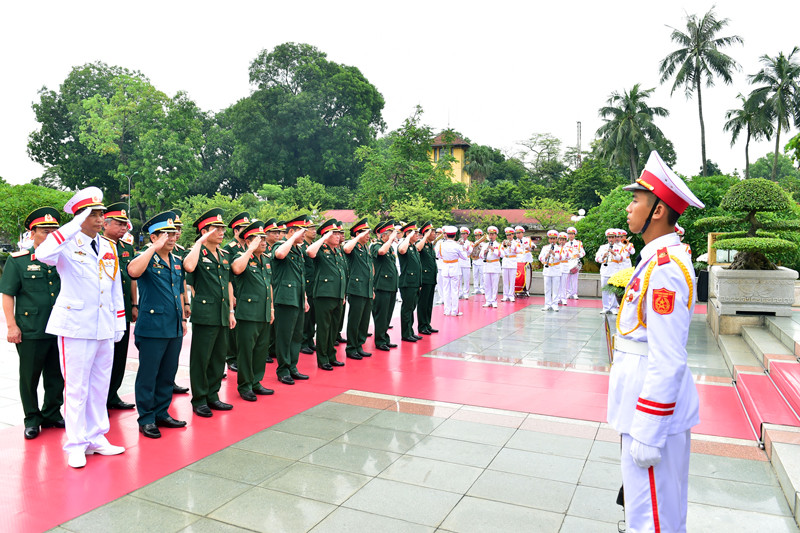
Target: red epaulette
(663,256)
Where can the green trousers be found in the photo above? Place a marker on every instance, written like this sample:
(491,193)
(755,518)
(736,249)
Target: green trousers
(425,306)
(207,362)
(118,366)
(273,351)
(309,325)
(327,311)
(39,357)
(252,339)
(382,309)
(357,322)
(410,296)
(288,336)
(233,351)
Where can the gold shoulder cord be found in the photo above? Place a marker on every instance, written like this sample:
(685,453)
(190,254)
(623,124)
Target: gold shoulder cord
(102,265)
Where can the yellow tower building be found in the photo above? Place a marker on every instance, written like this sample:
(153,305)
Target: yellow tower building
(457,147)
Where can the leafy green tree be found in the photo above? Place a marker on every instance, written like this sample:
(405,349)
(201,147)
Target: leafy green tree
(766,167)
(699,59)
(792,146)
(419,209)
(194,206)
(19,200)
(538,150)
(710,169)
(480,162)
(50,178)
(585,186)
(609,214)
(502,195)
(629,131)
(780,94)
(752,118)
(551,214)
(511,169)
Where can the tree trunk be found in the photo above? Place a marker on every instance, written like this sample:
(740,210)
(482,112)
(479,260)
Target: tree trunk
(747,155)
(634,169)
(777,145)
(702,125)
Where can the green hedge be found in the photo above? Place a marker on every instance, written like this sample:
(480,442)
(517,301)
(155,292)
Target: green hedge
(755,245)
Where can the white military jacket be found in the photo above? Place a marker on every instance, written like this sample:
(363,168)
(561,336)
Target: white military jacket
(492,254)
(450,252)
(609,266)
(527,250)
(467,245)
(551,263)
(512,254)
(651,393)
(90,304)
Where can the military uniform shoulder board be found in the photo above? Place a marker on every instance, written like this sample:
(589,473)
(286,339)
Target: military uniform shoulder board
(232,244)
(179,247)
(127,239)
(663,256)
(20,253)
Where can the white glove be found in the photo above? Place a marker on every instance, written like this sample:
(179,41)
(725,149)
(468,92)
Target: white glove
(119,334)
(82,216)
(645,455)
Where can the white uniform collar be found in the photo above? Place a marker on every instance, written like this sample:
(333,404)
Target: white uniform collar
(670,239)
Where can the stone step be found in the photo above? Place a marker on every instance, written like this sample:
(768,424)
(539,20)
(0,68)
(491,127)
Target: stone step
(786,376)
(782,445)
(762,342)
(738,355)
(763,403)
(787,330)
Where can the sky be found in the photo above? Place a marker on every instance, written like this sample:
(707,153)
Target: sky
(497,71)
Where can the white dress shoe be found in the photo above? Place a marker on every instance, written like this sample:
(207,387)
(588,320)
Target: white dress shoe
(487,305)
(106,449)
(512,299)
(545,308)
(494,304)
(555,308)
(77,459)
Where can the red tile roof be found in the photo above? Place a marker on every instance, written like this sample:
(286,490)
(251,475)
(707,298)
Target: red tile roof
(347,216)
(456,141)
(514,216)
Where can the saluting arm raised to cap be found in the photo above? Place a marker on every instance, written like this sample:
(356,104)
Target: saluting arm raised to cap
(190,261)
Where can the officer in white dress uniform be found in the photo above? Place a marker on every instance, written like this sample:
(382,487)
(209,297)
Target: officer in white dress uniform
(605,258)
(567,262)
(512,249)
(464,264)
(88,318)
(526,257)
(491,254)
(450,252)
(477,266)
(439,298)
(576,249)
(628,250)
(652,399)
(550,258)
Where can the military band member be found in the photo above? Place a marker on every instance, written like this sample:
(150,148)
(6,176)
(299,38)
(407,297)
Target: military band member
(512,249)
(567,262)
(652,398)
(209,266)
(450,252)
(30,289)
(254,311)
(115,226)
(385,283)
(606,257)
(410,280)
(180,252)
(88,317)
(550,258)
(288,282)
(161,327)
(477,263)
(464,264)
(526,257)
(576,249)
(492,254)
(628,250)
(233,248)
(427,259)
(309,318)
(359,289)
(438,299)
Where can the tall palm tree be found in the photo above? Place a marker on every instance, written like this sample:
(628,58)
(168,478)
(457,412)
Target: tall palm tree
(780,93)
(629,129)
(479,163)
(751,117)
(699,59)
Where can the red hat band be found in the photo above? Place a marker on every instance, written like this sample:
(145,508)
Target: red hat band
(206,222)
(83,203)
(653,184)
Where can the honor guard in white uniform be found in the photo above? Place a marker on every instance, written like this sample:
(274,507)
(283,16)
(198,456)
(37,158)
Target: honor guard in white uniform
(512,249)
(88,318)
(464,264)
(652,399)
(628,250)
(477,264)
(550,258)
(680,231)
(605,258)
(491,254)
(567,262)
(450,252)
(526,257)
(439,298)
(576,250)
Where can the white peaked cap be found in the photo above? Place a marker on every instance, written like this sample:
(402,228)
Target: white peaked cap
(492,229)
(572,230)
(88,197)
(478,231)
(660,180)
(519,228)
(450,230)
(465,229)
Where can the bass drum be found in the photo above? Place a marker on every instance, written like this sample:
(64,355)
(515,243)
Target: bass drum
(522,281)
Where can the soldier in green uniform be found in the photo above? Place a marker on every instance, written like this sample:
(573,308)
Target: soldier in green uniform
(115,226)
(427,257)
(254,311)
(359,289)
(308,346)
(180,252)
(29,289)
(288,280)
(338,339)
(233,248)
(161,327)
(410,280)
(212,313)
(273,232)
(385,283)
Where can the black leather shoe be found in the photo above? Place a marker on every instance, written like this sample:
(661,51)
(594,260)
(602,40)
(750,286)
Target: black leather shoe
(417,337)
(169,422)
(424,332)
(58,424)
(355,356)
(150,431)
(177,389)
(298,375)
(409,339)
(431,330)
(362,353)
(390,327)
(369,334)
(219,406)
(383,348)
(313,347)
(261,390)
(306,350)
(337,363)
(121,405)
(248,396)
(286,380)
(202,410)
(270,360)
(391,345)
(325,366)
(233,367)
(336,343)
(32,433)
(342,340)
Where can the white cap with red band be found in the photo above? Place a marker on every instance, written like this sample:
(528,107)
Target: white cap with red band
(660,180)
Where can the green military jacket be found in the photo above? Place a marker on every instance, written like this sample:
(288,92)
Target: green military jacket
(329,275)
(343,262)
(254,286)
(427,258)
(385,268)
(308,269)
(359,278)
(410,268)
(288,280)
(125,252)
(179,251)
(233,248)
(35,287)
(210,278)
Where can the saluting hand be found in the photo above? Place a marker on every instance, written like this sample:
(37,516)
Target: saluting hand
(161,241)
(254,244)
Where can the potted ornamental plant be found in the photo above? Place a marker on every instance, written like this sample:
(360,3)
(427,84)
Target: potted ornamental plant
(752,284)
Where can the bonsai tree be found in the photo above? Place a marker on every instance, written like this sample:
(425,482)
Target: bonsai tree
(756,240)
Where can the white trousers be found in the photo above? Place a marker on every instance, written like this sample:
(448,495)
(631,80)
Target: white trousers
(552,285)
(656,498)
(562,288)
(450,285)
(465,276)
(439,282)
(86,367)
(490,282)
(477,278)
(509,275)
(609,300)
(572,284)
